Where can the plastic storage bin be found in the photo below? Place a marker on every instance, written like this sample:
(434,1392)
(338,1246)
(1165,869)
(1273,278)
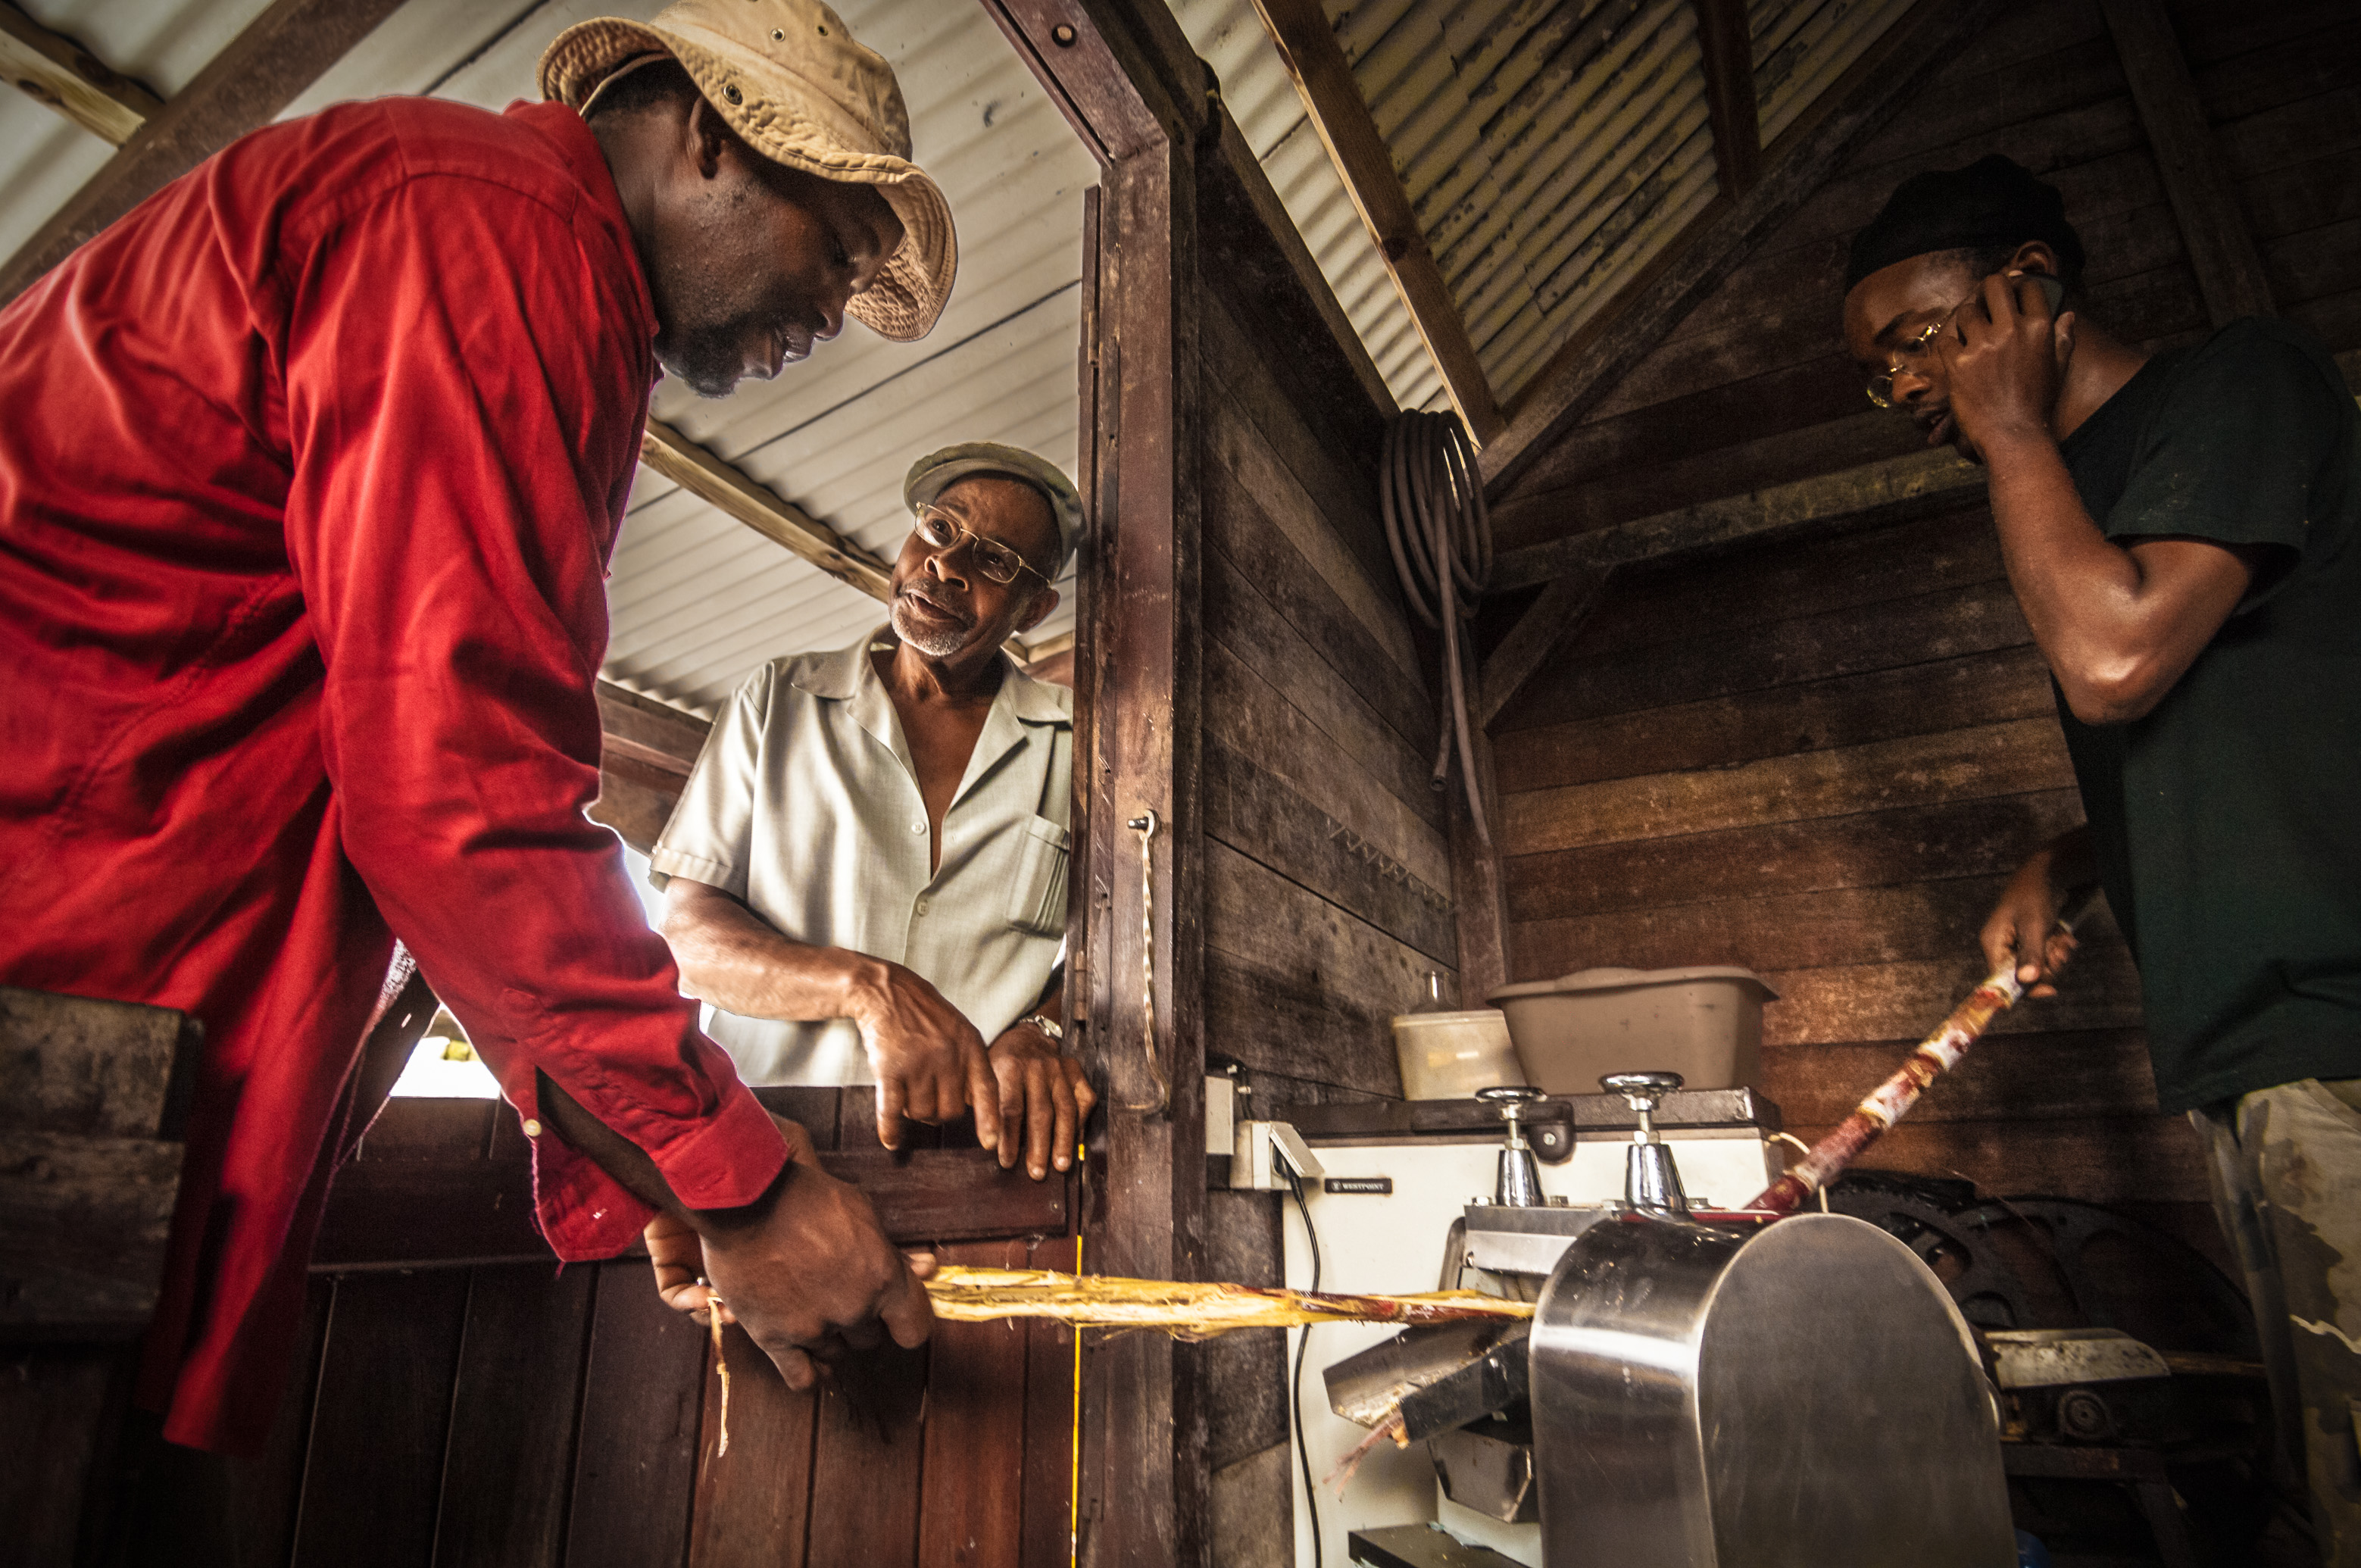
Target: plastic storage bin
(1704,1024)
(1450,1055)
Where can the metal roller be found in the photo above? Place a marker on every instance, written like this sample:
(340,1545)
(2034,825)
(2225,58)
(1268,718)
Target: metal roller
(1801,1395)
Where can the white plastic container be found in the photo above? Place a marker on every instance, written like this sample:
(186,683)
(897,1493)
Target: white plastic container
(1705,1024)
(1450,1055)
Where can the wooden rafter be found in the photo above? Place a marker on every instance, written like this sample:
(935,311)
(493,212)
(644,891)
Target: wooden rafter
(1729,49)
(1887,490)
(729,489)
(2221,248)
(1308,46)
(701,474)
(262,71)
(1563,605)
(72,80)
(1880,85)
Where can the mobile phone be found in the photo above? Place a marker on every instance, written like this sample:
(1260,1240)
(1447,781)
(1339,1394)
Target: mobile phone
(2051,289)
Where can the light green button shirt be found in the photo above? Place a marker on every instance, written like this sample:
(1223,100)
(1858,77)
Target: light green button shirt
(805,806)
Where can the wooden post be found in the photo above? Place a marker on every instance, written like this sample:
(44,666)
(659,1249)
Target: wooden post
(1127,80)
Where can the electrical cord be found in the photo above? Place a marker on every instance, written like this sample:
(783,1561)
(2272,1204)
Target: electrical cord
(1440,536)
(1295,1389)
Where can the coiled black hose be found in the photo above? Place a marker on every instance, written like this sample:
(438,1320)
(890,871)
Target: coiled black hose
(1441,535)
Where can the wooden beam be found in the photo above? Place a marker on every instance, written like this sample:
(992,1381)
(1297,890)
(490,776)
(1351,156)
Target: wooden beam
(647,749)
(448,1212)
(701,474)
(776,518)
(71,1064)
(1882,491)
(647,730)
(92,1096)
(1308,46)
(70,79)
(1729,93)
(1480,900)
(262,71)
(1546,623)
(2221,246)
(1886,79)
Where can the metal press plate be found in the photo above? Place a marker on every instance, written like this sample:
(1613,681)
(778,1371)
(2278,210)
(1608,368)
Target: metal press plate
(1421,1546)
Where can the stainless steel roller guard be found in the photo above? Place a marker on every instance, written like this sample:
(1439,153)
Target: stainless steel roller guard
(1803,1394)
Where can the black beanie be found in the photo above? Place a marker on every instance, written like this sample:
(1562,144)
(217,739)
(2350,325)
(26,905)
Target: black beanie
(1993,200)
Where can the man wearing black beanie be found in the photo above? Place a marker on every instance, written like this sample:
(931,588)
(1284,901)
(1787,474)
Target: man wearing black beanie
(2183,532)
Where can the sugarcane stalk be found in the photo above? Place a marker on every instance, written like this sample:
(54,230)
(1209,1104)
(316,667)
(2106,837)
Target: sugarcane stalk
(1182,1309)
(1937,1054)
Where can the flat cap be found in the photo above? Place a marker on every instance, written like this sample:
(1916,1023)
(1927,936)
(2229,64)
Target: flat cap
(931,476)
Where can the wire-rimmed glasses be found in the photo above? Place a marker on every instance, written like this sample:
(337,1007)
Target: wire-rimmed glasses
(996,561)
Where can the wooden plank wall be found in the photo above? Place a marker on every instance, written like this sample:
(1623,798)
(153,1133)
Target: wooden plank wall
(1329,871)
(1821,758)
(520,1414)
(1328,864)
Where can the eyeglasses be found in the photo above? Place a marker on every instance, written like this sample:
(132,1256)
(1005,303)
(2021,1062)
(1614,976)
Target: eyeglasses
(996,561)
(1908,360)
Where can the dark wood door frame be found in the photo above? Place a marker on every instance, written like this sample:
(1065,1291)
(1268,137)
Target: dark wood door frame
(1137,96)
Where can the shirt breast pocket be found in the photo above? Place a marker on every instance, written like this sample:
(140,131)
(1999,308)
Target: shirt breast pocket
(1036,894)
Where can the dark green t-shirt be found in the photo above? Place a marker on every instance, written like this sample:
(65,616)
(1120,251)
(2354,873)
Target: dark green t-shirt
(2228,820)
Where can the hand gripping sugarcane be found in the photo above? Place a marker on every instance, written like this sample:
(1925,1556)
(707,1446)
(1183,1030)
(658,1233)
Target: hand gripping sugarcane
(1891,1100)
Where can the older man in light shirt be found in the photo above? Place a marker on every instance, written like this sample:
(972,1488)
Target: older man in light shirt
(866,875)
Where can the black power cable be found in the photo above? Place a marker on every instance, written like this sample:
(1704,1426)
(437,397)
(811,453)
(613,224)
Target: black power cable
(1303,1344)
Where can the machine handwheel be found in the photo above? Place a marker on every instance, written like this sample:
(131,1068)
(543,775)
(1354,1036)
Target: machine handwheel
(2055,1263)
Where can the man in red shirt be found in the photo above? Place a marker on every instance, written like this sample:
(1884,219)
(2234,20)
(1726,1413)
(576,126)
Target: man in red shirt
(310,470)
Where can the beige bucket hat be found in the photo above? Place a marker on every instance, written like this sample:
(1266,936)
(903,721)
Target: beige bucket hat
(789,78)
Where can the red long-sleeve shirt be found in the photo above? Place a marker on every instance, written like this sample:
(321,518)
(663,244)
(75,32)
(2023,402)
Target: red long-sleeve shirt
(310,469)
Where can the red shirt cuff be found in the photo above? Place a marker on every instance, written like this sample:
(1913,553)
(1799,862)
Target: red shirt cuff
(726,1161)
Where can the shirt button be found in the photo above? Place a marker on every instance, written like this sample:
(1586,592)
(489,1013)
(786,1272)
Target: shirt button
(533,1129)
(917,826)
(922,906)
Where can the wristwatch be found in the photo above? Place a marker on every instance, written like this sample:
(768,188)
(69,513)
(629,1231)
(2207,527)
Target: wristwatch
(1049,1027)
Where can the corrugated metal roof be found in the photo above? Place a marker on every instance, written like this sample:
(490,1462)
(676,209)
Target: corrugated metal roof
(696,598)
(45,157)
(1552,149)
(1262,98)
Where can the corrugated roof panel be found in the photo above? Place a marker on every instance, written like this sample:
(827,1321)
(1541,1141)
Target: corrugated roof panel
(1566,169)
(697,599)
(45,158)
(1261,97)
(427,46)
(1791,77)
(164,43)
(1549,148)
(1553,148)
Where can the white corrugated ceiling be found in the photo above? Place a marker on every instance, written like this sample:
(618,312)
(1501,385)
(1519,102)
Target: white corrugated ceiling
(697,599)
(1551,148)
(45,158)
(1262,98)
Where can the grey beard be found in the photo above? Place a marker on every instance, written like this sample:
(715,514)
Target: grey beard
(935,645)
